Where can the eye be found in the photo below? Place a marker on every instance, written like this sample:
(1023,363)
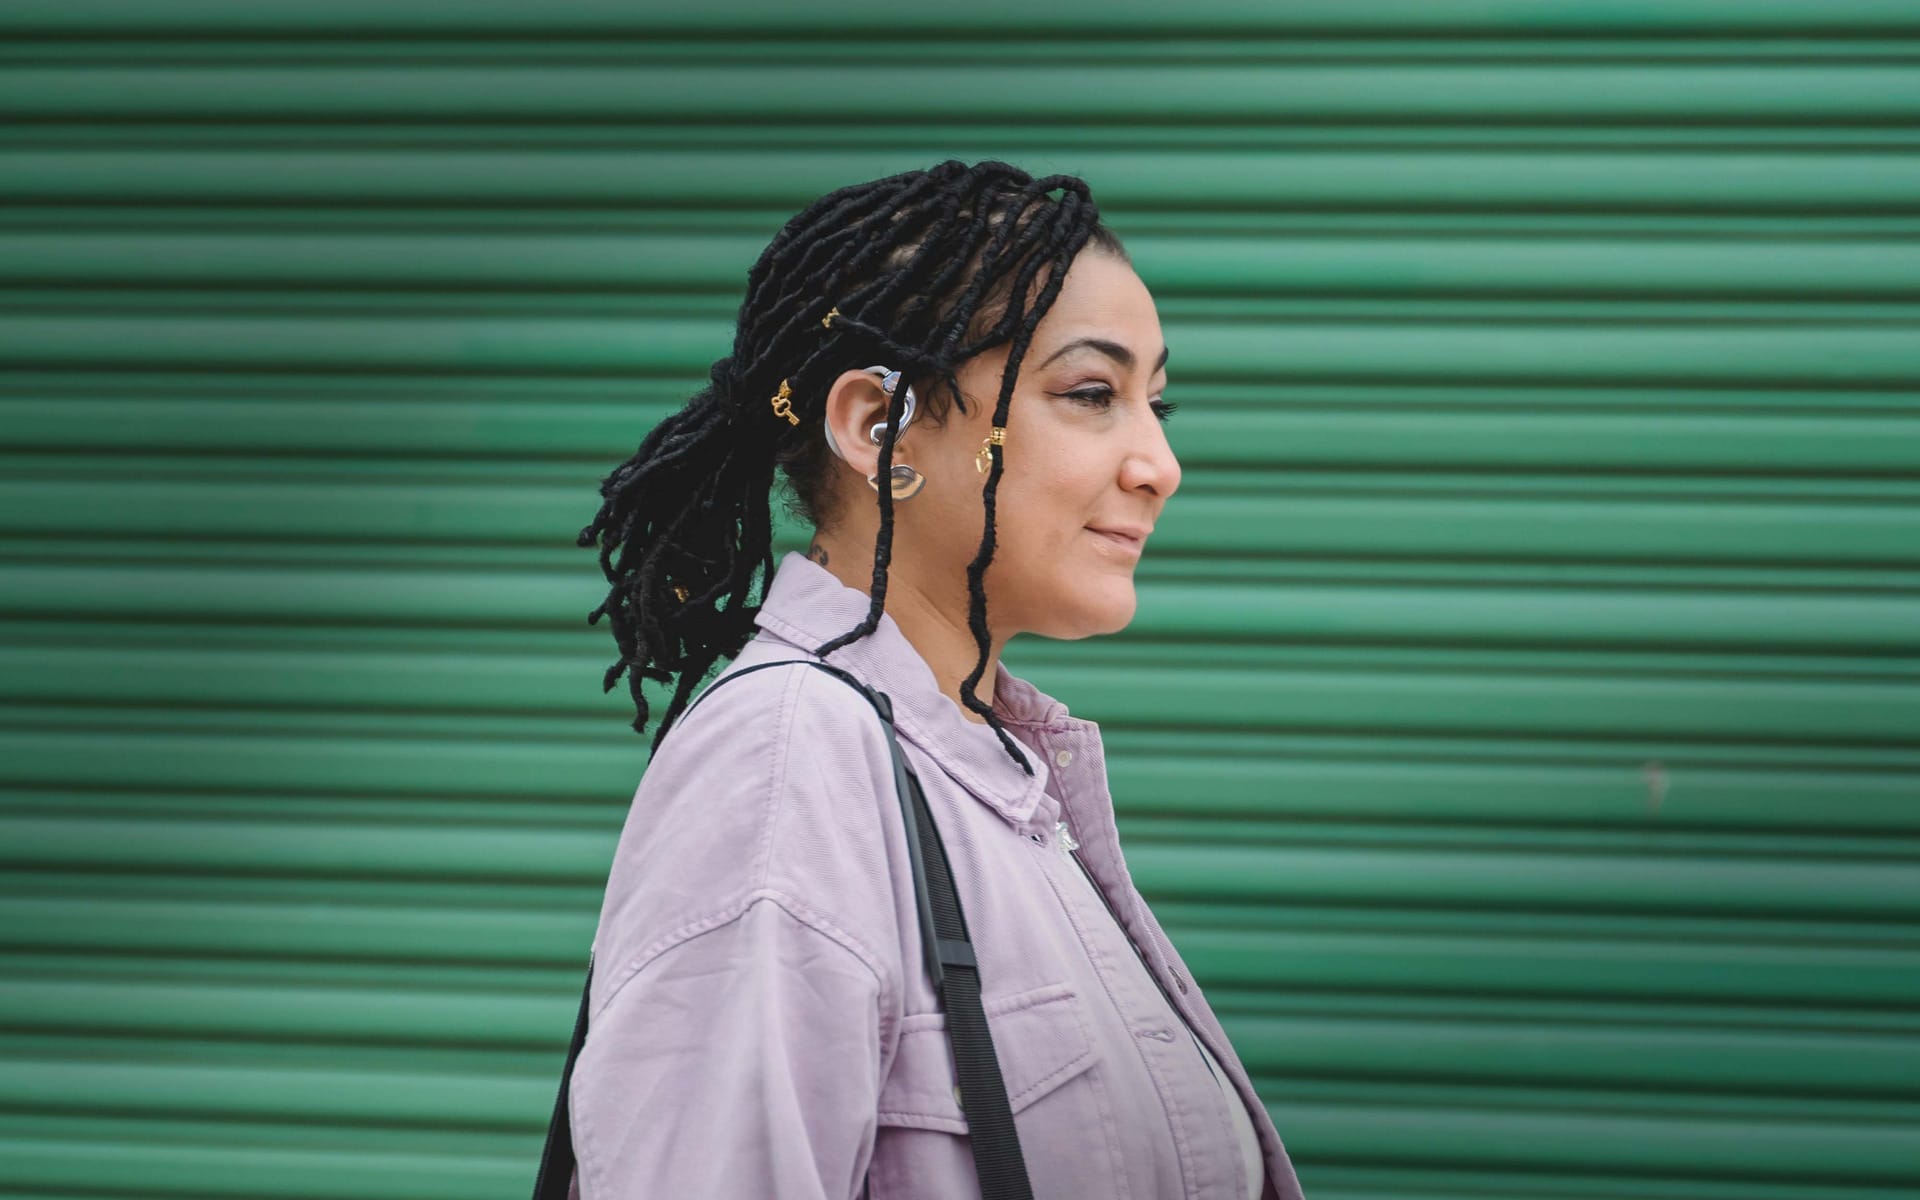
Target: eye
(1101,398)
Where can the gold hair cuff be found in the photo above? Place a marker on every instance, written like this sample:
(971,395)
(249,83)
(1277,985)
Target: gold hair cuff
(826,322)
(680,592)
(782,407)
(997,438)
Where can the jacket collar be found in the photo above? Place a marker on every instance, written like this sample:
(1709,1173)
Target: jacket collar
(807,606)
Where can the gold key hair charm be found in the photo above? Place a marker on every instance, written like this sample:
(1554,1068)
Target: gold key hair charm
(782,406)
(984,457)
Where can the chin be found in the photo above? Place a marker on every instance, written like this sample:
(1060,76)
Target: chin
(1091,613)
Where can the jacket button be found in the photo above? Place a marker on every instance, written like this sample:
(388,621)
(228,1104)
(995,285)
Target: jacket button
(1063,757)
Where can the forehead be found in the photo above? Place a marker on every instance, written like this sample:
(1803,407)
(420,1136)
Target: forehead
(1101,300)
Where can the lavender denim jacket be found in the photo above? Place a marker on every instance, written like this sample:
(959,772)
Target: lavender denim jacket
(760,1023)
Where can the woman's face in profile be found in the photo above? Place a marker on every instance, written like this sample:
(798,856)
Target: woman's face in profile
(1088,467)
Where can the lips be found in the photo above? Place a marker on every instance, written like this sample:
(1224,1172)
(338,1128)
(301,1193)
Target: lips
(1132,537)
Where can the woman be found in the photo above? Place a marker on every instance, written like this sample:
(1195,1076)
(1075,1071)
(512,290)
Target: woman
(760,1021)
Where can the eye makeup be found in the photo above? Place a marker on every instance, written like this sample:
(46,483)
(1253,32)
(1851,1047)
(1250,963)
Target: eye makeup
(1101,397)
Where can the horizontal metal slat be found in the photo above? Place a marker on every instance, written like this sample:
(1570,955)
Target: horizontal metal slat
(1401,266)
(399,1099)
(1302,350)
(1626,784)
(367,1015)
(1203,432)
(1535,880)
(1595,703)
(968,93)
(364,1026)
(1850,181)
(271,592)
(1650,1061)
(1569,975)
(132,1158)
(1229,19)
(1294,522)
(1630,1147)
(1672,1062)
(343,930)
(1424,966)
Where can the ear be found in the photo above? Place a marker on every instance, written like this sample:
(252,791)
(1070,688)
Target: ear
(855,404)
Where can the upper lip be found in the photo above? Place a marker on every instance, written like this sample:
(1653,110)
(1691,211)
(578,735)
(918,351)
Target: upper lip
(1137,533)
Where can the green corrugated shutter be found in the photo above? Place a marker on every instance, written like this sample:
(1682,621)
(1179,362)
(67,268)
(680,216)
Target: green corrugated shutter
(1518,734)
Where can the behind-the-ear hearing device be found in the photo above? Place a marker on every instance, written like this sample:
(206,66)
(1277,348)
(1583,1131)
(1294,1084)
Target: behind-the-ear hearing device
(889,380)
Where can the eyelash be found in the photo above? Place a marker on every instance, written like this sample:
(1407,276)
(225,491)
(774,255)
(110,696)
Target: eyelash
(1103,396)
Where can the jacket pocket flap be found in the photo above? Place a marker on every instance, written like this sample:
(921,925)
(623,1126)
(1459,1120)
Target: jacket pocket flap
(1039,1038)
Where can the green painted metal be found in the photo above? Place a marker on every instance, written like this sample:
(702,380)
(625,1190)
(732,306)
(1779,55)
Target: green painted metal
(1520,732)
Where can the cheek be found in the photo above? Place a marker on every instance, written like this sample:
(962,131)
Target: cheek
(1048,506)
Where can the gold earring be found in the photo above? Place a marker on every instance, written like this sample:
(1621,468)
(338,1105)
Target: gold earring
(782,407)
(997,438)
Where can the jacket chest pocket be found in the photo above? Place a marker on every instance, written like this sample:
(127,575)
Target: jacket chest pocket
(1046,1056)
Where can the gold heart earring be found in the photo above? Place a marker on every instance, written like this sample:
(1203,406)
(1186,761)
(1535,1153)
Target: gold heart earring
(983,458)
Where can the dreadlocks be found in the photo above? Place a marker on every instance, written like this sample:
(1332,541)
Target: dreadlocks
(922,270)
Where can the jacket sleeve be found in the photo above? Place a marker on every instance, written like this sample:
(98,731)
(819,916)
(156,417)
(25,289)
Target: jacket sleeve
(744,1061)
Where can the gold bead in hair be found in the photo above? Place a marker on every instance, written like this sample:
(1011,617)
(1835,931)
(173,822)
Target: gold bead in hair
(782,407)
(826,322)
(680,592)
(982,459)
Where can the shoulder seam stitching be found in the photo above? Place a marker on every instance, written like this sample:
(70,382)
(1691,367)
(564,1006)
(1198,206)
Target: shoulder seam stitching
(777,770)
(793,906)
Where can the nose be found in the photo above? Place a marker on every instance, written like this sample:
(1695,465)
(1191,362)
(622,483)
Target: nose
(1150,465)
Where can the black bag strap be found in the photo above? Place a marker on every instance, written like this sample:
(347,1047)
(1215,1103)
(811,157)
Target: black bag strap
(951,963)
(556,1158)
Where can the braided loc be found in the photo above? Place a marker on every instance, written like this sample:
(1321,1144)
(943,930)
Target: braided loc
(922,270)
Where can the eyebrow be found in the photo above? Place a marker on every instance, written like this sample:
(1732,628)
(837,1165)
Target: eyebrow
(1113,350)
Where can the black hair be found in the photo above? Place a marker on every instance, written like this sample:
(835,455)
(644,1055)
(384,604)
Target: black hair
(921,270)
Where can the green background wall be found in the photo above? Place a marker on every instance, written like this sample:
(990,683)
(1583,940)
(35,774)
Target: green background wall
(1518,733)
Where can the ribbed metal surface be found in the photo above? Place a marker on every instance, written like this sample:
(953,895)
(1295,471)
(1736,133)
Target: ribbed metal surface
(1518,734)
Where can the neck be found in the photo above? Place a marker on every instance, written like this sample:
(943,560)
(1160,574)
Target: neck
(936,631)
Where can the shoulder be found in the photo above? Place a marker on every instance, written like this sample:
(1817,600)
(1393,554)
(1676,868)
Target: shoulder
(770,725)
(776,695)
(769,788)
